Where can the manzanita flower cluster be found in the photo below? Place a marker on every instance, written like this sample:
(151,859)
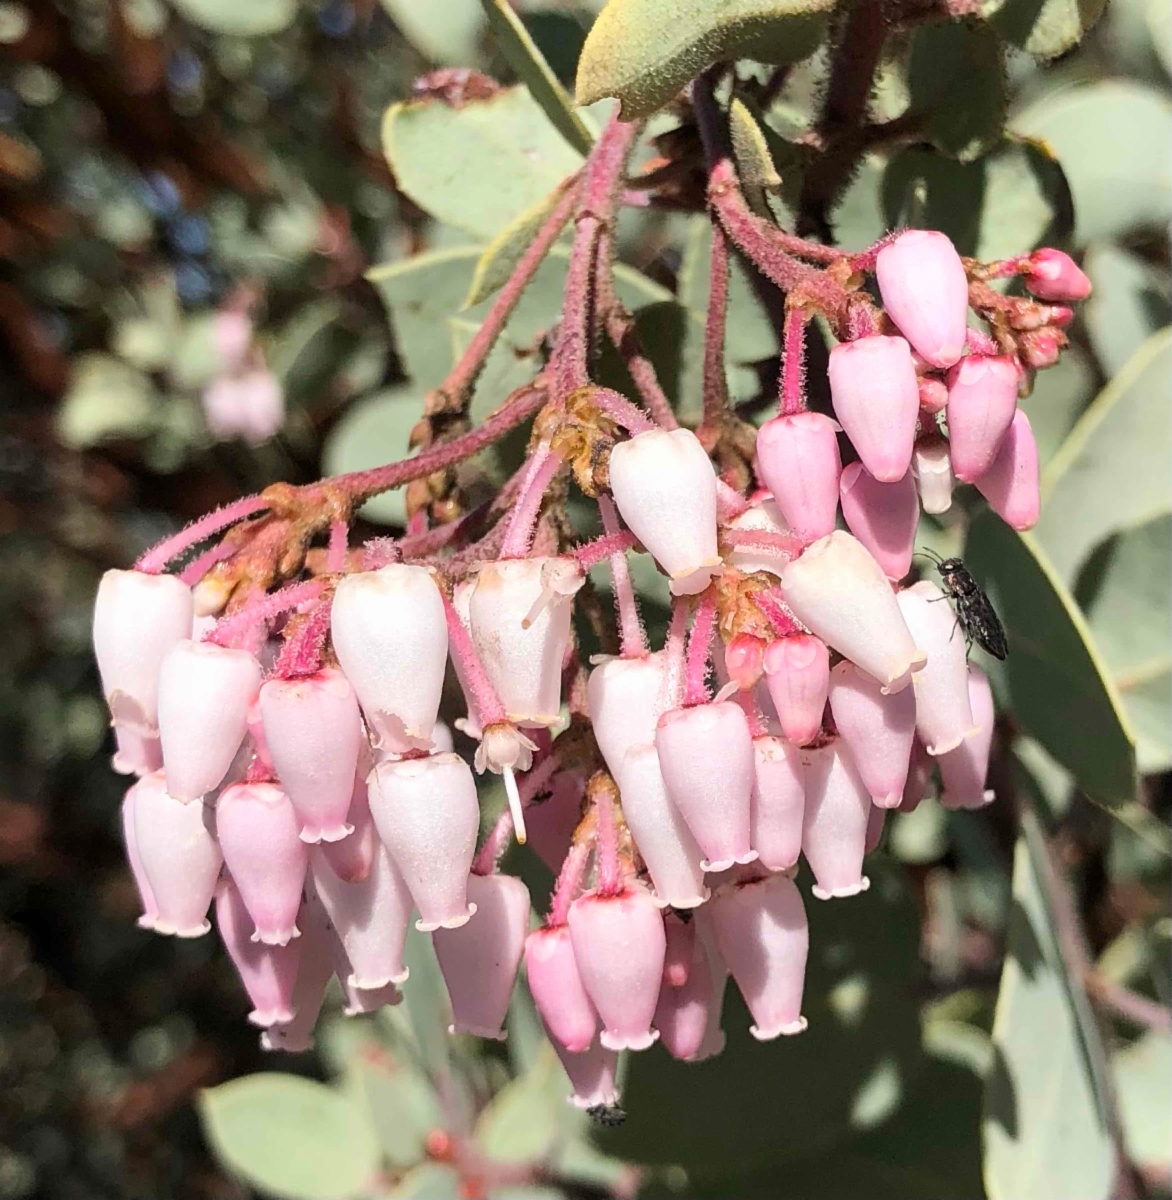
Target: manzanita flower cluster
(278,698)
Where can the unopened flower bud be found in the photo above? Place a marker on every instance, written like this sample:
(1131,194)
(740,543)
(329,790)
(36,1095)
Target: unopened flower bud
(1041,348)
(1011,484)
(883,516)
(797,671)
(798,461)
(779,800)
(268,973)
(933,395)
(932,471)
(982,398)
(556,986)
(1052,275)
(763,516)
(925,290)
(964,769)
(834,836)
(744,660)
(685,1014)
(622,695)
(665,488)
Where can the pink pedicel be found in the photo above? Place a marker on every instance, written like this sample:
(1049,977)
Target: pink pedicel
(839,592)
(268,973)
(762,516)
(834,836)
(932,471)
(877,729)
(427,816)
(925,291)
(982,398)
(944,717)
(556,986)
(877,402)
(964,770)
(1053,275)
(319,956)
(761,931)
(687,1010)
(797,673)
(623,695)
(619,946)
(351,857)
(665,489)
(706,756)
(778,802)
(883,516)
(179,855)
(479,960)
(313,732)
(798,461)
(263,850)
(1011,484)
(150,911)
(205,692)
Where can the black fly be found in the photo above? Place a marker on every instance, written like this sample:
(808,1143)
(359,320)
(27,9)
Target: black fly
(974,612)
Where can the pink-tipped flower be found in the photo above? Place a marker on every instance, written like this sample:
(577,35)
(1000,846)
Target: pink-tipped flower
(982,398)
(179,854)
(926,293)
(779,801)
(267,972)
(619,945)
(351,858)
(798,461)
(259,835)
(762,516)
(706,756)
(520,619)
(876,819)
(964,770)
(622,695)
(761,931)
(556,986)
(1011,483)
(1052,275)
(592,1075)
(878,730)
(427,816)
(391,637)
(319,950)
(685,1012)
(479,961)
(919,776)
(671,853)
(839,592)
(665,489)
(944,717)
(834,836)
(313,733)
(933,395)
(877,402)
(883,516)
(370,918)
(932,471)
(204,695)
(150,910)
(797,672)
(138,619)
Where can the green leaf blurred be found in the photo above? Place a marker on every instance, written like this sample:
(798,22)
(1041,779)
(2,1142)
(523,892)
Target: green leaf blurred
(1130,302)
(530,1115)
(446,31)
(1142,1071)
(107,398)
(252,18)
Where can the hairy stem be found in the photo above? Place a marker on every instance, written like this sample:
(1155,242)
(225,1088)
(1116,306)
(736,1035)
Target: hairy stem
(699,645)
(257,612)
(158,556)
(483,702)
(569,883)
(793,365)
(715,383)
(633,641)
(543,465)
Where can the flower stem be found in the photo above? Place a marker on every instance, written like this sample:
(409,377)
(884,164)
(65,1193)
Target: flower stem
(569,882)
(779,616)
(633,642)
(793,366)
(203,563)
(602,792)
(673,652)
(256,612)
(156,558)
(301,654)
(620,410)
(543,465)
(699,644)
(715,384)
(590,554)
(482,699)
(336,554)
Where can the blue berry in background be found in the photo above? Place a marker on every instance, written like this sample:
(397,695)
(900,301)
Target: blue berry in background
(189,234)
(184,71)
(336,18)
(192,283)
(159,193)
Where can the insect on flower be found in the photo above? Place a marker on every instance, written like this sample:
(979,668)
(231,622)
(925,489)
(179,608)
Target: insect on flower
(975,613)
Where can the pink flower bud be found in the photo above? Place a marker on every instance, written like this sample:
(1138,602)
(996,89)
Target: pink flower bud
(677,959)
(982,398)
(685,1013)
(944,717)
(369,917)
(592,1075)
(839,592)
(351,857)
(479,961)
(232,334)
(520,618)
(919,776)
(1041,348)
(706,756)
(267,972)
(798,461)
(249,406)
(797,671)
(876,819)
(551,823)
(744,660)
(259,836)
(932,471)
(926,293)
(779,800)
(1011,483)
(665,489)
(150,910)
(1052,275)
(623,695)
(138,619)
(179,854)
(883,516)
(313,733)
(669,850)
(391,637)
(428,817)
(877,729)
(964,769)
(762,934)
(619,945)
(318,951)
(834,835)
(557,990)
(764,516)
(877,402)
(933,395)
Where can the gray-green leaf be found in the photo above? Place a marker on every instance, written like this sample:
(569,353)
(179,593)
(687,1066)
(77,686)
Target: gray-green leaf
(256,18)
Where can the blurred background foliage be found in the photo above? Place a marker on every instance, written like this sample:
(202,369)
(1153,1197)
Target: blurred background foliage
(160,162)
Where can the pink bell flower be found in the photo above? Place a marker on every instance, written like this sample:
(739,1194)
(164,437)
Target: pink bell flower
(351,858)
(932,471)
(762,516)
(1052,275)
(592,1074)
(231,336)
(883,516)
(623,696)
(686,1012)
(797,673)
(677,958)
(925,290)
(1011,484)
(268,973)
(919,776)
(778,803)
(150,909)
(319,949)
(964,770)
(369,1000)
(982,398)
(798,461)
(556,986)
(834,835)
(250,406)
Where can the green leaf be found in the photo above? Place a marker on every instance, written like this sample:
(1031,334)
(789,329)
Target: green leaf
(403,1106)
(446,31)
(428,1182)
(196,359)
(529,1116)
(1160,23)
(1142,1071)
(645,51)
(1059,688)
(1045,28)
(478,166)
(1043,1132)
(1112,472)
(106,398)
(290,1136)
(256,18)
(1111,138)
(1129,303)
(523,55)
(1060,396)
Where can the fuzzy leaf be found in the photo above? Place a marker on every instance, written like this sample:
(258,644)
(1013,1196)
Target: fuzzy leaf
(1045,28)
